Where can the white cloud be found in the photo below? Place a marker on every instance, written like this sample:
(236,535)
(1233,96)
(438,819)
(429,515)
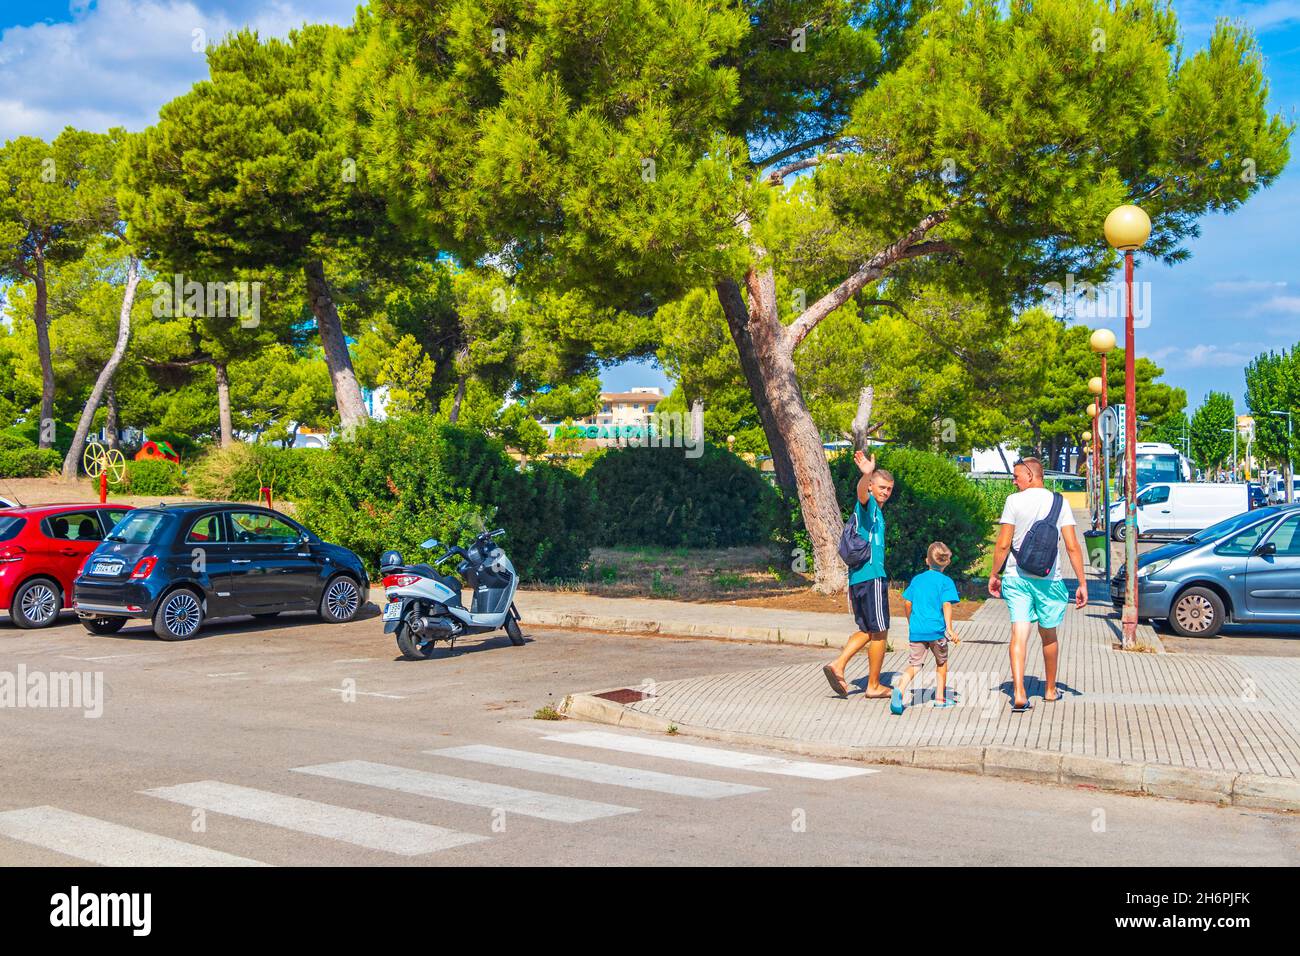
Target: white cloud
(1236,355)
(117,62)
(1287,304)
(1235,287)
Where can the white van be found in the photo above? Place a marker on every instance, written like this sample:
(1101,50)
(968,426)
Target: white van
(1175,509)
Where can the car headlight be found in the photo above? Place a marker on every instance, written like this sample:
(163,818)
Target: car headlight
(1147,570)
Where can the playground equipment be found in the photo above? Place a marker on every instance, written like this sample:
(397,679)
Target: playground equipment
(106,464)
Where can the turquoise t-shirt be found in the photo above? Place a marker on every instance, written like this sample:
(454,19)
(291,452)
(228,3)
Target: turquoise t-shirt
(928,592)
(871,525)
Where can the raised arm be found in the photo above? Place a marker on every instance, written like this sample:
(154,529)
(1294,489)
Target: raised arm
(866,465)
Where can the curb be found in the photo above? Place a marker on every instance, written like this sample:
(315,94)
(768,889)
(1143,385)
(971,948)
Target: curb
(632,625)
(1222,787)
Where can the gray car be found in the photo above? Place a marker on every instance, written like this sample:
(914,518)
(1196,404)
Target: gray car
(1243,569)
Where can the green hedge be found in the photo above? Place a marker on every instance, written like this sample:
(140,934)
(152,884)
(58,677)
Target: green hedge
(20,458)
(395,483)
(154,477)
(239,472)
(658,496)
(932,501)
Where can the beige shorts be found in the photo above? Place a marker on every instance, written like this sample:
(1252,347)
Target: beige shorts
(916,651)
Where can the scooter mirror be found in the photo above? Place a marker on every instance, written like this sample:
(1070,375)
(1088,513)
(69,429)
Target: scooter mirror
(430,544)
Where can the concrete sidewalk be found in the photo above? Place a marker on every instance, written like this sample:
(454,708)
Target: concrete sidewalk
(684,619)
(1217,728)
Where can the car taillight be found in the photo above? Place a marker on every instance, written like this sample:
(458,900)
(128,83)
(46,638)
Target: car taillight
(400,580)
(11,554)
(144,568)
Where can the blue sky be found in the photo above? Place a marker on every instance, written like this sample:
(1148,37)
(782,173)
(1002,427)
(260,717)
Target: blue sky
(99,63)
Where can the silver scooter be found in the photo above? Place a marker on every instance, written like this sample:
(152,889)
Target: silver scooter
(424,605)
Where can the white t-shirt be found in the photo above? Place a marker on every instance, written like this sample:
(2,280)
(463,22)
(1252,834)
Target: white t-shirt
(1024,508)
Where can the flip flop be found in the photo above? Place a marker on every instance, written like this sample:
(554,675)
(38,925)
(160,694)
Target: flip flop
(1053,700)
(885,696)
(943,704)
(838,683)
(1020,710)
(896,702)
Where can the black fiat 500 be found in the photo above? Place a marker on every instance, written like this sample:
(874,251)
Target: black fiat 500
(179,565)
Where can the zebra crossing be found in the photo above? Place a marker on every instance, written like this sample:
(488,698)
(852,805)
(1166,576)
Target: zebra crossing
(108,843)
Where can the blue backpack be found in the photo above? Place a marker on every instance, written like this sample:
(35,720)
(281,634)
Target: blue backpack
(1037,553)
(855,548)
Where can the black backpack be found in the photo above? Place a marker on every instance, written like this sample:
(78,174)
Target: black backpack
(1038,552)
(855,548)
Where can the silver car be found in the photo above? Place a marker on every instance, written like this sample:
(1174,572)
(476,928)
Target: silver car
(1242,570)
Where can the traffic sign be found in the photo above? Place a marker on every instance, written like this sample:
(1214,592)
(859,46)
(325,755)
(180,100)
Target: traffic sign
(1110,424)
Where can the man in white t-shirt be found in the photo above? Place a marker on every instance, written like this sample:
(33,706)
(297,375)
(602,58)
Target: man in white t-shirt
(1034,600)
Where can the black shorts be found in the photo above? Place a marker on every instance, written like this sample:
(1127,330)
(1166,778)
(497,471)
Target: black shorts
(869,602)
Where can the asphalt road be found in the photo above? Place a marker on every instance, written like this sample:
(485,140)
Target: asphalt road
(232,731)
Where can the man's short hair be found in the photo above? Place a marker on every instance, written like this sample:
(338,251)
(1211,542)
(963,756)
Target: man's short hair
(938,555)
(882,473)
(1034,465)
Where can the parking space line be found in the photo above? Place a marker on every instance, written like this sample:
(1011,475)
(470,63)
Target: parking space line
(107,844)
(598,772)
(370,830)
(366,693)
(672,750)
(474,793)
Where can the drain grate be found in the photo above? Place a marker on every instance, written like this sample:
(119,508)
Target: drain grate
(625,695)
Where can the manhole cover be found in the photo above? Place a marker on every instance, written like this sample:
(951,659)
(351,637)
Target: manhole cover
(624,696)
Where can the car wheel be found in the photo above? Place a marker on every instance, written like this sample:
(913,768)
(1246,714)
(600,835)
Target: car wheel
(341,600)
(36,603)
(1117,531)
(103,625)
(179,616)
(1197,612)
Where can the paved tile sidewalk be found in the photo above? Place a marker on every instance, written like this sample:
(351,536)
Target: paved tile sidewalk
(1221,713)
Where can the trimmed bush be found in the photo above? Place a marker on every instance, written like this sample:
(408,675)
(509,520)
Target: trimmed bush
(932,501)
(153,477)
(658,496)
(397,482)
(239,472)
(20,458)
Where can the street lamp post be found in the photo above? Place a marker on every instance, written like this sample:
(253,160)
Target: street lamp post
(1102,341)
(1094,485)
(1127,228)
(1290,469)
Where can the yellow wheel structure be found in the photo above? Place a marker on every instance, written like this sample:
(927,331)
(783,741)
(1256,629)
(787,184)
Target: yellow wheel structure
(98,460)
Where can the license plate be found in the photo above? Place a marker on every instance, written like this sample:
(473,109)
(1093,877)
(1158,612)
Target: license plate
(106,567)
(392,610)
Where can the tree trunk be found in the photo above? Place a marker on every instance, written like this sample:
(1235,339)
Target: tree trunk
(737,313)
(461,381)
(812,474)
(42,319)
(347,393)
(862,420)
(223,404)
(106,374)
(111,424)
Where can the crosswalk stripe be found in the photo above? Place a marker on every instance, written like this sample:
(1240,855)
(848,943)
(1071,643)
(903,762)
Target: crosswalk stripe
(370,830)
(597,772)
(107,844)
(673,750)
(472,792)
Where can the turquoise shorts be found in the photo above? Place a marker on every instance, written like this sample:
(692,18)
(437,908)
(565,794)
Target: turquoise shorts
(1031,600)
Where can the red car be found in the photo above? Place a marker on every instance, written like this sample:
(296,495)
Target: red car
(41,550)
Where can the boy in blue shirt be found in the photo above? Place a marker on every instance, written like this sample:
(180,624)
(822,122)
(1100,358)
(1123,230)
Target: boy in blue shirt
(928,602)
